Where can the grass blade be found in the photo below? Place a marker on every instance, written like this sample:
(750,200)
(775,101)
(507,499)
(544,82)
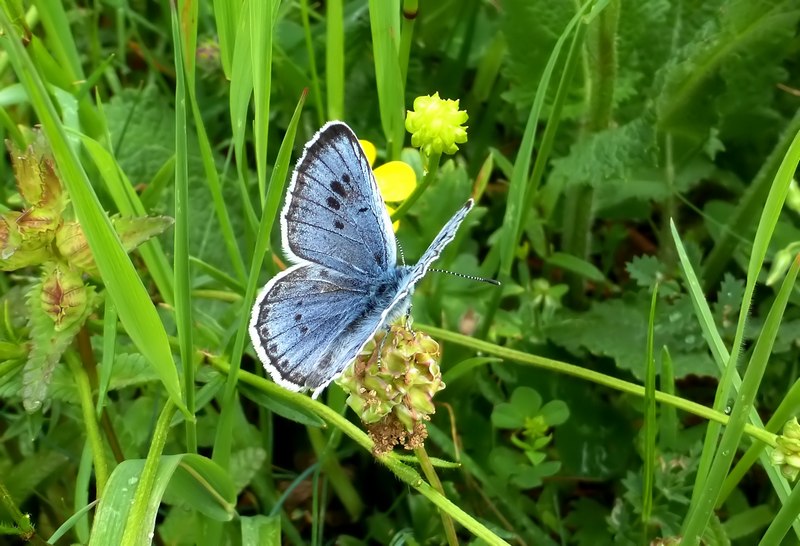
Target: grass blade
(183,282)
(384,18)
(650,425)
(731,438)
(261,26)
(334,58)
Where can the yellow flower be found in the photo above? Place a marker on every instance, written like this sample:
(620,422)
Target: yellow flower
(396,179)
(436,125)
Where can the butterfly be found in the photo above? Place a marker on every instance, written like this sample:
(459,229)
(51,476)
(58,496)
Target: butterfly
(312,319)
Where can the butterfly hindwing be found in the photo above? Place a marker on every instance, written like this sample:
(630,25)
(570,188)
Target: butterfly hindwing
(334,215)
(300,316)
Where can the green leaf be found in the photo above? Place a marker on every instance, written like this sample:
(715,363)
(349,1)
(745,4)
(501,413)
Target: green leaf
(618,329)
(576,265)
(47,346)
(526,401)
(264,530)
(555,412)
(732,56)
(463,368)
(192,480)
(507,416)
(606,157)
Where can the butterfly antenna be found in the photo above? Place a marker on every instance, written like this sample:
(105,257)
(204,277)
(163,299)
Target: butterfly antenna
(400,250)
(463,276)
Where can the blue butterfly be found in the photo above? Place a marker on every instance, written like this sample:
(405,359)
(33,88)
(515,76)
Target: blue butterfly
(311,320)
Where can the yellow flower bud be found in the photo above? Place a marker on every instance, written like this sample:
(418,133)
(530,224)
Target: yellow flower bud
(435,125)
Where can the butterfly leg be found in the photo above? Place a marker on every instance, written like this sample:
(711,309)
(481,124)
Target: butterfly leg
(409,320)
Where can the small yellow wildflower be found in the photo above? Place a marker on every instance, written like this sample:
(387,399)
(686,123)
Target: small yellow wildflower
(396,179)
(436,125)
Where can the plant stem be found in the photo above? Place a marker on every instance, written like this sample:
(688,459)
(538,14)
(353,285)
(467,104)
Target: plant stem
(433,169)
(90,420)
(138,511)
(312,63)
(430,473)
(579,204)
(410,9)
(333,470)
(334,58)
(593,376)
(84,346)
(22,521)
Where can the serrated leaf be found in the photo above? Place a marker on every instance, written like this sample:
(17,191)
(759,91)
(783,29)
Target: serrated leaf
(606,157)
(734,55)
(146,142)
(645,270)
(24,478)
(618,329)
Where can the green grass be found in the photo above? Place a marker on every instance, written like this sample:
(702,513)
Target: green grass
(632,166)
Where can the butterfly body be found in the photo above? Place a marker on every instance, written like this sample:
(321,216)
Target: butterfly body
(312,319)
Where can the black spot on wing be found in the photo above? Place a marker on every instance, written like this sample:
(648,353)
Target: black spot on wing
(338,187)
(378,258)
(333,203)
(298,316)
(346,178)
(338,224)
(363,209)
(304,329)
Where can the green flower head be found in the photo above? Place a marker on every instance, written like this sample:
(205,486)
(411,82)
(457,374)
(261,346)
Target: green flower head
(786,455)
(391,385)
(435,125)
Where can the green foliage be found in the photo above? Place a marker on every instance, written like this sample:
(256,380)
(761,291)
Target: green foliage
(612,148)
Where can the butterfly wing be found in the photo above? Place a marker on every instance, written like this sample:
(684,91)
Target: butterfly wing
(334,215)
(300,321)
(445,236)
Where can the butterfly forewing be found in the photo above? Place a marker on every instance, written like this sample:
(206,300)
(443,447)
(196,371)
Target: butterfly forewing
(334,215)
(445,236)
